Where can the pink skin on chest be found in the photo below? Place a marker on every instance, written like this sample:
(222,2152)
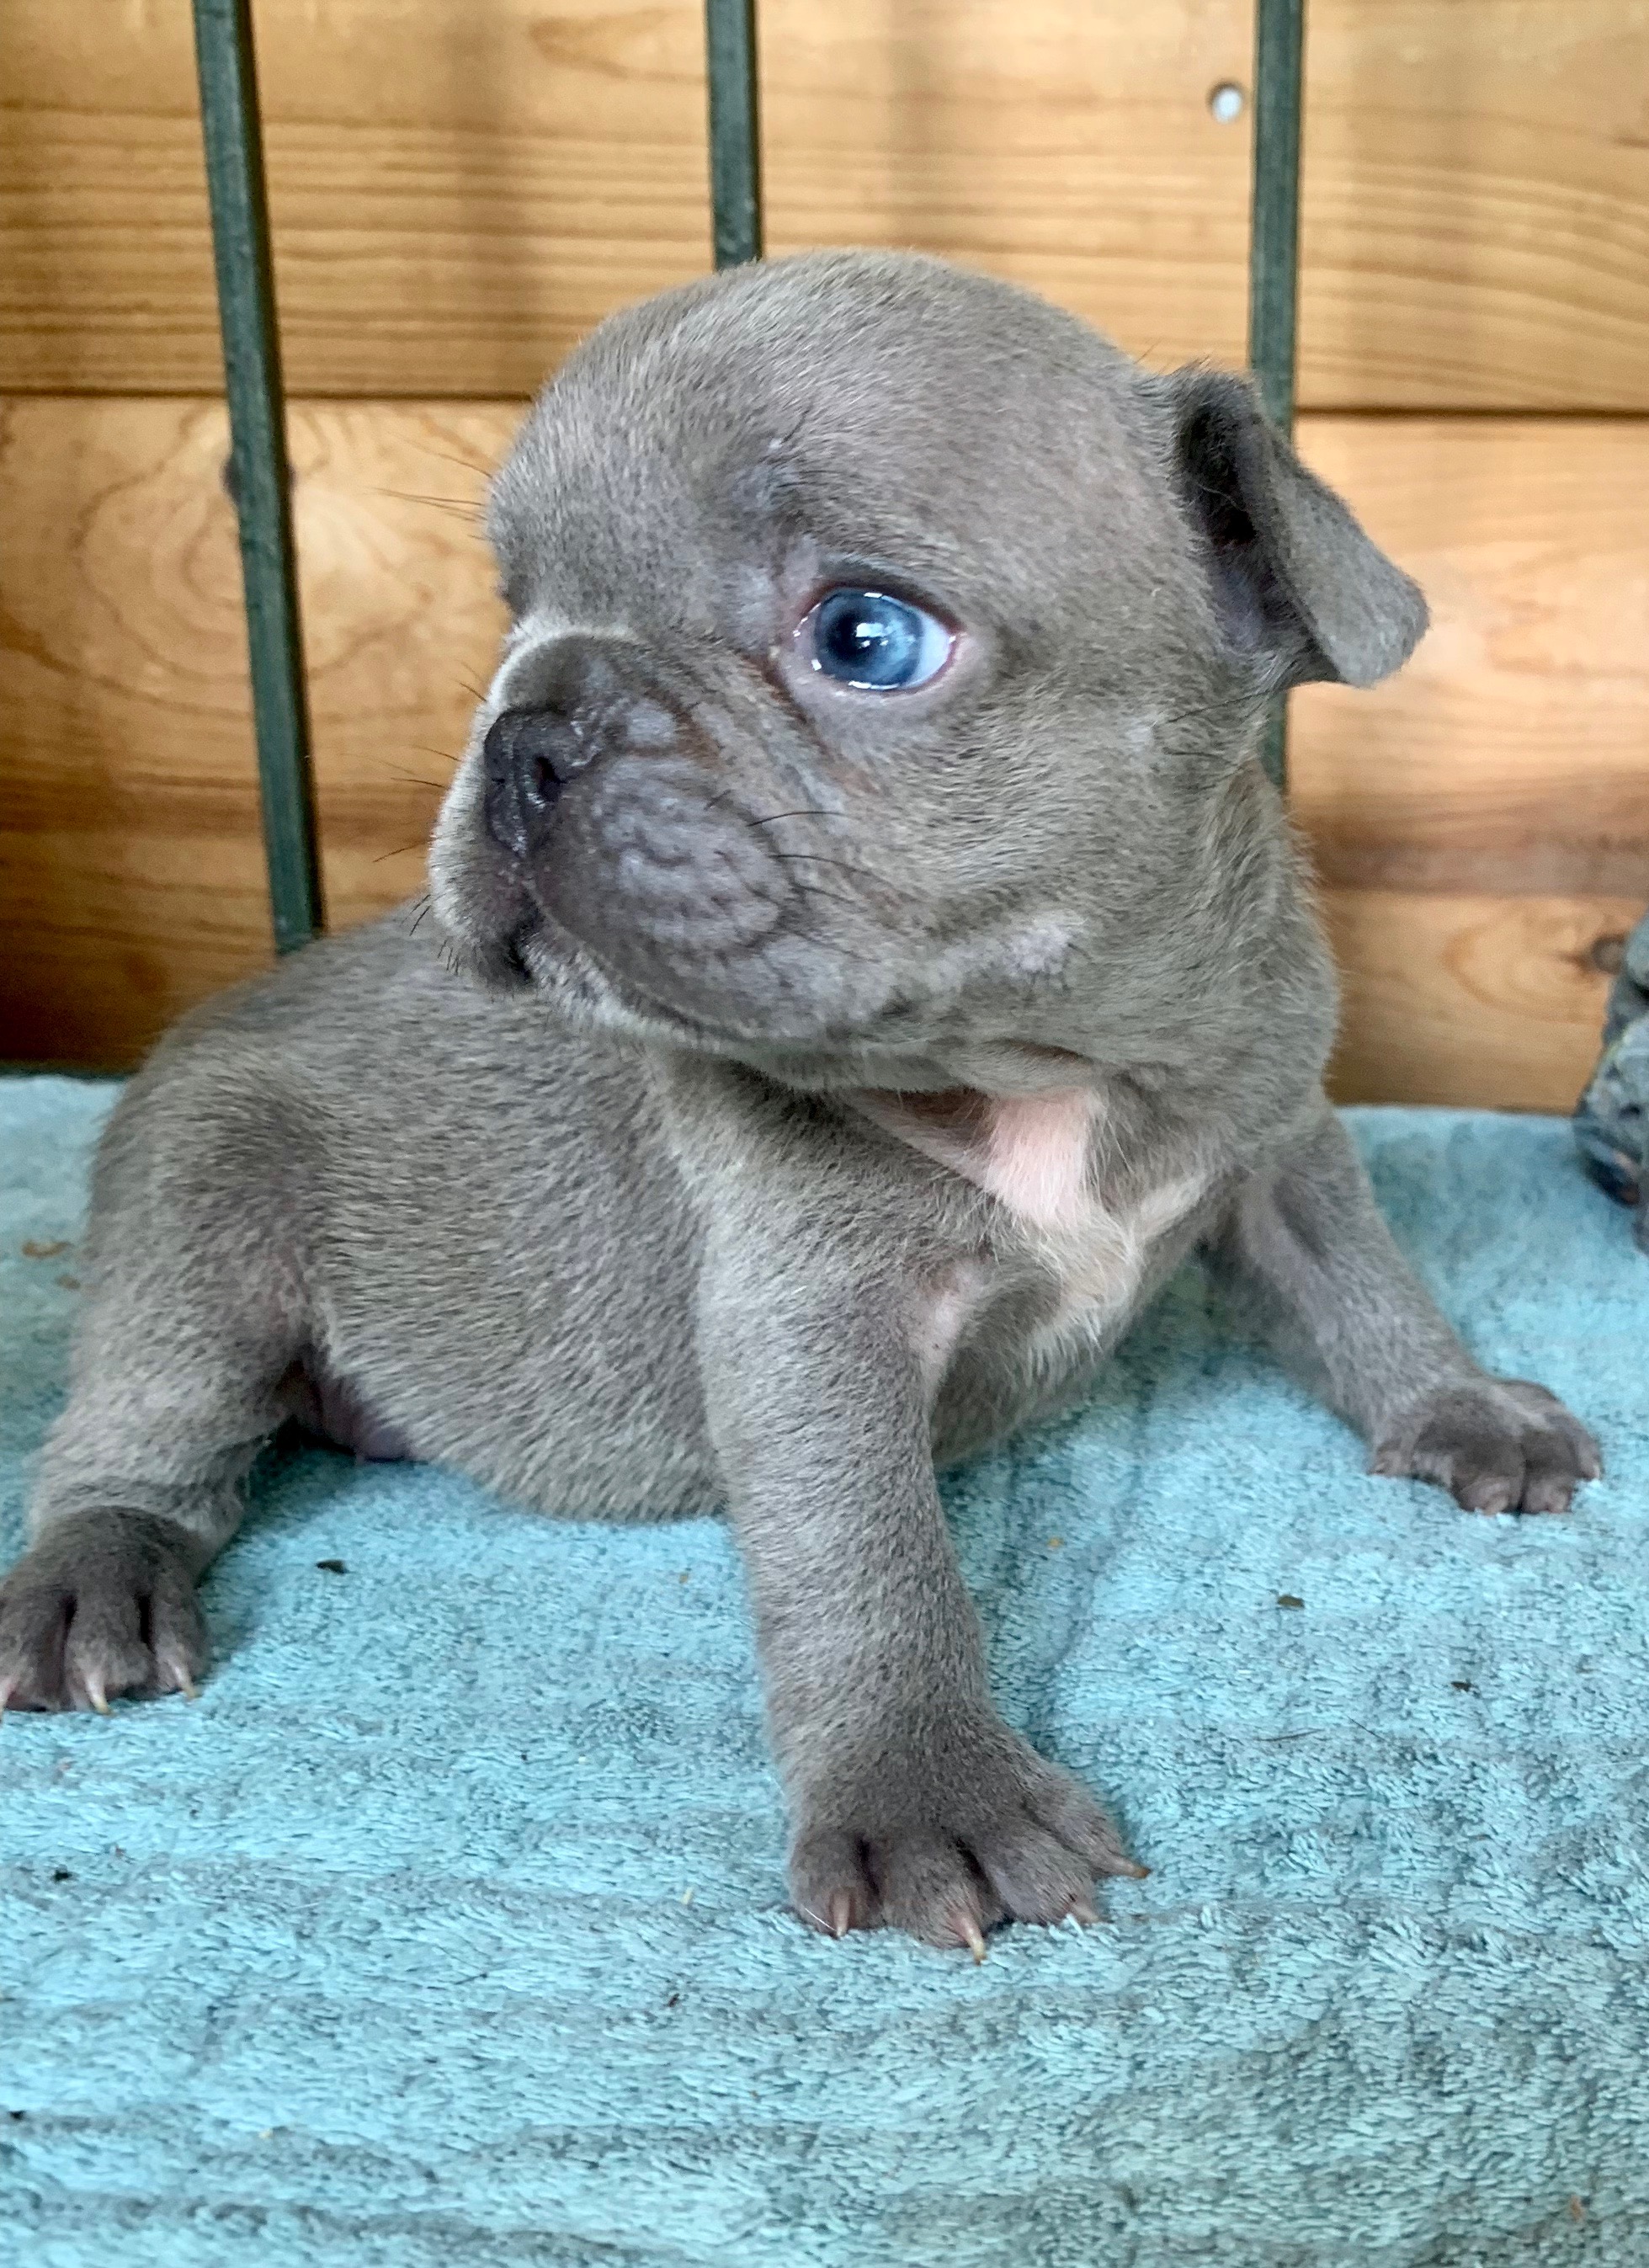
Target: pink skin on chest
(1035,1159)
(1031,1152)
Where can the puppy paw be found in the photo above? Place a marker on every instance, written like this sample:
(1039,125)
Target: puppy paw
(948,1845)
(1500,1445)
(103,1604)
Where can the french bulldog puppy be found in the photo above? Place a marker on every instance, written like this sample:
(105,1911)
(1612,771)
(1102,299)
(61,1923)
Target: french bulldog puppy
(865,959)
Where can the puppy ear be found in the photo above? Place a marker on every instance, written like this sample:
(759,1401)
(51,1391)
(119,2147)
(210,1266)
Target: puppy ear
(1296,583)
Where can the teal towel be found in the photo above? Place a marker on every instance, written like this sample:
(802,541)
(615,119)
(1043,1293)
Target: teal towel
(447,1929)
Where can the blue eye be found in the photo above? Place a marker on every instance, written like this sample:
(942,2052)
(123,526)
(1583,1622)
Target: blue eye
(877,644)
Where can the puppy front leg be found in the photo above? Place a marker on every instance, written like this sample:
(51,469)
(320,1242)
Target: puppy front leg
(912,1803)
(190,1321)
(1307,1237)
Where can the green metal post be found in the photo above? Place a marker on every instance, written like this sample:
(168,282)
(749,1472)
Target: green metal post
(261,479)
(1279,37)
(735,130)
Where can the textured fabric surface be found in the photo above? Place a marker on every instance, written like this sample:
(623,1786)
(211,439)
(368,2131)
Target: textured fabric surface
(447,1929)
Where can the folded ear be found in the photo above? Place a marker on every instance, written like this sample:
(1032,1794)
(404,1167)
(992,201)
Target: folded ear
(1296,583)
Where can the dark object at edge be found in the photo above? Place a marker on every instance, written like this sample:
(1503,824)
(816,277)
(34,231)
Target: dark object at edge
(1611,1119)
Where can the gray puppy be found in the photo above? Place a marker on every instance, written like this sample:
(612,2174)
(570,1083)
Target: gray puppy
(894,964)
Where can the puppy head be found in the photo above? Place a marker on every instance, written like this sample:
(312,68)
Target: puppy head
(881,637)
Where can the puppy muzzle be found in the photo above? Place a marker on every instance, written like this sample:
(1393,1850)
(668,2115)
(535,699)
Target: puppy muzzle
(569,702)
(528,757)
(610,814)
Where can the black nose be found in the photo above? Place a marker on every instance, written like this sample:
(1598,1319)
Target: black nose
(529,755)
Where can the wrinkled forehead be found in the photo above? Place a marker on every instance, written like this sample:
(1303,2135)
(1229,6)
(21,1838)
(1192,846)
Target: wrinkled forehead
(948,442)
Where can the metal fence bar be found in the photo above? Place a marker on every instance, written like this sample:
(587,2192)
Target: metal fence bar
(735,130)
(260,477)
(1279,38)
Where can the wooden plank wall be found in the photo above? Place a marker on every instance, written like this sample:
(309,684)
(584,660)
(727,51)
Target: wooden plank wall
(459,192)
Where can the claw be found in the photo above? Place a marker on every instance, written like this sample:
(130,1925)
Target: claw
(1084,1910)
(841,1912)
(1113,1862)
(972,1936)
(99,1703)
(173,1666)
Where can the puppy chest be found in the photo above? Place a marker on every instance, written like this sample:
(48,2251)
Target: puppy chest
(1071,1261)
(1043,1301)
(1099,1266)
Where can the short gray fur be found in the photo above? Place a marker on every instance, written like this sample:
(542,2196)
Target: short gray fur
(710,1142)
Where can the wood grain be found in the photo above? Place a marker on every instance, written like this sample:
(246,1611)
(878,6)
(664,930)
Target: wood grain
(1479,822)
(459,192)
(1512,754)
(1490,1002)
(132,875)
